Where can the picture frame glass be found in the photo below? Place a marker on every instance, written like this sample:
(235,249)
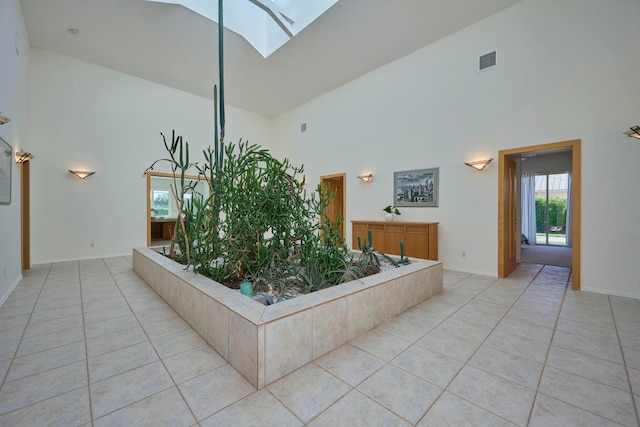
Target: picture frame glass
(6,157)
(416,188)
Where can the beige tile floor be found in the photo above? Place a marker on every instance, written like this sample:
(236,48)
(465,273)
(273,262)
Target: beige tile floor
(89,344)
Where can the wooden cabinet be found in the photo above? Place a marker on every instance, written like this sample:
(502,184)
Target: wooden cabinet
(420,238)
(167,230)
(162,229)
(156,230)
(360,229)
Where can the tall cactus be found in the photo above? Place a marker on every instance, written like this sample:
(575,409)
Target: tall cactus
(402,259)
(219,122)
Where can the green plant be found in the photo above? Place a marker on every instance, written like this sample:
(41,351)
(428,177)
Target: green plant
(368,263)
(256,223)
(178,160)
(557,214)
(391,210)
(402,260)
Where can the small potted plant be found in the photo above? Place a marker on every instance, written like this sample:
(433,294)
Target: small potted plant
(391,211)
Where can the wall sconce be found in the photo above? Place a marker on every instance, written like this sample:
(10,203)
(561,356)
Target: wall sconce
(4,119)
(480,164)
(634,132)
(23,156)
(366,178)
(81,174)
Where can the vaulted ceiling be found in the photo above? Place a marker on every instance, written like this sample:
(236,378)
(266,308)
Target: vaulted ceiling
(171,45)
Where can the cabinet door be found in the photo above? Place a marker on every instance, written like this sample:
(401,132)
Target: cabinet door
(392,242)
(361,229)
(362,234)
(379,243)
(420,239)
(156,230)
(358,230)
(167,230)
(417,245)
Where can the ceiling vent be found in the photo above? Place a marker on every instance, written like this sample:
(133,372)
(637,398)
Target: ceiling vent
(488,60)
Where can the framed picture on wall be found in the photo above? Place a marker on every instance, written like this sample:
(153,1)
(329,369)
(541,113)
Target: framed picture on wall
(416,188)
(5,172)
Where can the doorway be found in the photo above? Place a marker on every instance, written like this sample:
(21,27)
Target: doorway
(163,211)
(336,211)
(508,221)
(25,214)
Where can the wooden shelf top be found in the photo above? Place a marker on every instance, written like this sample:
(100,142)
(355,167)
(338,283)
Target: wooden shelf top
(391,222)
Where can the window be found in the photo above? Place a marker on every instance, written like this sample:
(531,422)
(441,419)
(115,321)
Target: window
(552,191)
(160,202)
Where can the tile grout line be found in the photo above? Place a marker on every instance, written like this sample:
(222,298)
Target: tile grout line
(40,351)
(494,329)
(154,349)
(444,389)
(86,350)
(624,361)
(553,334)
(13,358)
(317,415)
(385,363)
(50,369)
(354,388)
(578,375)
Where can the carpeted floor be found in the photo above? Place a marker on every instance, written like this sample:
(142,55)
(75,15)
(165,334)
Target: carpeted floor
(548,255)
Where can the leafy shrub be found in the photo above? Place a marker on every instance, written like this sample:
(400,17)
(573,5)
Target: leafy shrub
(257,222)
(557,214)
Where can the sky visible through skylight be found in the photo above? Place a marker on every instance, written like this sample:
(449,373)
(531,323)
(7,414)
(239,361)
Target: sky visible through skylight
(265,24)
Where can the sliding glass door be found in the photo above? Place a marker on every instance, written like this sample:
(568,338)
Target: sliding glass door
(552,199)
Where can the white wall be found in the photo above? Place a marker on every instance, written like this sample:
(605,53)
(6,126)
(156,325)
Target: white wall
(13,94)
(567,69)
(88,117)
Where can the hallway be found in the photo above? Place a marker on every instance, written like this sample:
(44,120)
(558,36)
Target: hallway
(559,256)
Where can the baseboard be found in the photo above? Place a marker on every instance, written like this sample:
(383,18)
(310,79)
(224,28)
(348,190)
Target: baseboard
(10,290)
(610,292)
(39,262)
(466,270)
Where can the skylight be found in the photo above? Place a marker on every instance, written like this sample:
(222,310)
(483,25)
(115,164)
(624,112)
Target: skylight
(265,24)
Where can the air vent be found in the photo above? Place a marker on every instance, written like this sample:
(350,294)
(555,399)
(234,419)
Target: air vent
(488,60)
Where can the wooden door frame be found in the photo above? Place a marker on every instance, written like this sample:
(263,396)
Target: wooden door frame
(576,182)
(25,215)
(150,174)
(343,178)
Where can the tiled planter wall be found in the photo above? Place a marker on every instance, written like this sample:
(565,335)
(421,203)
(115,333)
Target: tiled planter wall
(264,343)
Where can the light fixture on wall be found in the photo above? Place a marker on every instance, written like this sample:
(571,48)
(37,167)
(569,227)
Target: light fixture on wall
(4,119)
(366,178)
(480,164)
(22,156)
(634,132)
(81,174)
